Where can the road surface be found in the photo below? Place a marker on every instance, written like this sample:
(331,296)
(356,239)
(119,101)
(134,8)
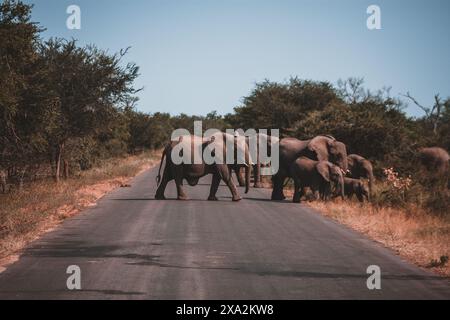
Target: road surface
(131,246)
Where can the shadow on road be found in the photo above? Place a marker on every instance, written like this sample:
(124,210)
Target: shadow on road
(105,292)
(77,249)
(153,199)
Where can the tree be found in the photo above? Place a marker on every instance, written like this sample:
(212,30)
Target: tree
(87,85)
(376,128)
(19,37)
(273,105)
(433,114)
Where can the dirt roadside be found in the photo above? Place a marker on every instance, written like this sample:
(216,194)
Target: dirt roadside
(27,221)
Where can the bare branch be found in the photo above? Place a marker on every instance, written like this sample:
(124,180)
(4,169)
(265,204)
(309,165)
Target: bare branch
(426,110)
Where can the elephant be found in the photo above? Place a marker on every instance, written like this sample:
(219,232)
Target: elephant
(193,172)
(435,160)
(270,140)
(360,167)
(318,175)
(320,148)
(356,187)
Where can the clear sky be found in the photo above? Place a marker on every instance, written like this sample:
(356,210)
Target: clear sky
(202,55)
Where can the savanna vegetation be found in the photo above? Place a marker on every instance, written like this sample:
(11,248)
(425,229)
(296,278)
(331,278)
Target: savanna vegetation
(65,109)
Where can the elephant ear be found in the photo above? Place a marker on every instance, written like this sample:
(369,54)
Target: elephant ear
(319,146)
(323,168)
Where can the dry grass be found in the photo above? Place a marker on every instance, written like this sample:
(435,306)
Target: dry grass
(25,215)
(414,234)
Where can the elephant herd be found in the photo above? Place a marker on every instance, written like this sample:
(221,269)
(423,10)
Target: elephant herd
(320,164)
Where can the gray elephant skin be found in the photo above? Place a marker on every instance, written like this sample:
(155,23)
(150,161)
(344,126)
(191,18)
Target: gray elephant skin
(435,159)
(270,140)
(356,187)
(321,148)
(359,167)
(193,172)
(317,175)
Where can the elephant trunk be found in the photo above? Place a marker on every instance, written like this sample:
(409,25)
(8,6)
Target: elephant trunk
(342,187)
(344,165)
(371,183)
(158,178)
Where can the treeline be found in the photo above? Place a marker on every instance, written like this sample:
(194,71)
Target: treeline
(64,107)
(56,98)
(372,124)
(61,105)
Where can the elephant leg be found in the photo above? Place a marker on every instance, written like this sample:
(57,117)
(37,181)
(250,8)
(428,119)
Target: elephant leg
(326,196)
(297,191)
(360,197)
(239,176)
(316,194)
(278,182)
(360,194)
(226,176)
(167,177)
(179,183)
(322,192)
(257,175)
(350,195)
(214,187)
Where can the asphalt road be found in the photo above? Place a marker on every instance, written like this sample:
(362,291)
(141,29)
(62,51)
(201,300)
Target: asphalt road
(133,247)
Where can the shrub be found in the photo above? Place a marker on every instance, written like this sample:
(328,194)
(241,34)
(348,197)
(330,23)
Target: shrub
(395,190)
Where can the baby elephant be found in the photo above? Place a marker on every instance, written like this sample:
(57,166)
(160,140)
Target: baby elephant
(356,187)
(318,175)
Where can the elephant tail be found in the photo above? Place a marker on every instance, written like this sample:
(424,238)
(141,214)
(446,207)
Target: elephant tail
(158,177)
(371,182)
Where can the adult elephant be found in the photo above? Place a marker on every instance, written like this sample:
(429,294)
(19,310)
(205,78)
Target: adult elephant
(192,172)
(435,160)
(360,167)
(320,148)
(317,175)
(269,141)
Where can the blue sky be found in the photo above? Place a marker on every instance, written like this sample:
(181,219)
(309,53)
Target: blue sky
(202,55)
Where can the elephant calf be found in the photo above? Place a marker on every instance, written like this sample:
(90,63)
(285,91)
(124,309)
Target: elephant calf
(360,167)
(318,175)
(356,187)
